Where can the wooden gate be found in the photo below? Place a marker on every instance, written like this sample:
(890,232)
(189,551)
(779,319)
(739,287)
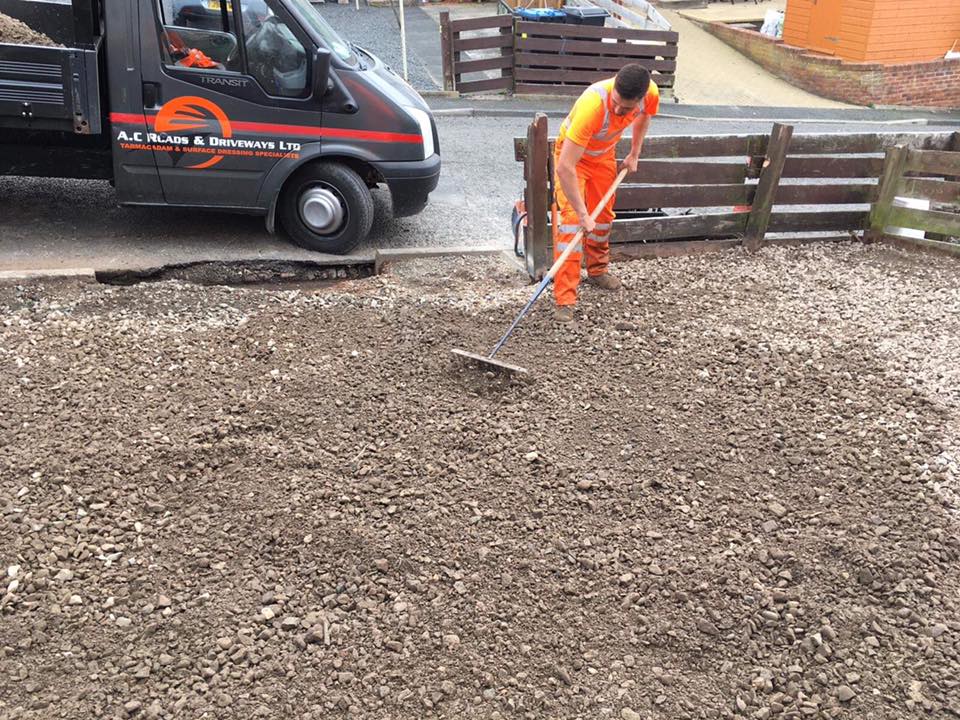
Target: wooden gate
(927,175)
(474,48)
(498,53)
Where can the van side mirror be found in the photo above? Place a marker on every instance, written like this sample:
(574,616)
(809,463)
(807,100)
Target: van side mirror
(321,72)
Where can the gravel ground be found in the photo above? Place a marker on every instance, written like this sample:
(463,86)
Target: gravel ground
(729,493)
(377,30)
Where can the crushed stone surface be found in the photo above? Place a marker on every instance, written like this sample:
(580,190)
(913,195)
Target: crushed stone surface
(16,32)
(728,492)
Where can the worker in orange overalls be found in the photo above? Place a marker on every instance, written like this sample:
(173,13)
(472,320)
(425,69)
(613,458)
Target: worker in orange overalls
(586,166)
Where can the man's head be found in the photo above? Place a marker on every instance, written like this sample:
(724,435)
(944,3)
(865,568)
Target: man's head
(629,88)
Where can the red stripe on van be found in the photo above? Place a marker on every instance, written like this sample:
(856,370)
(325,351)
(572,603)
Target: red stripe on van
(296,130)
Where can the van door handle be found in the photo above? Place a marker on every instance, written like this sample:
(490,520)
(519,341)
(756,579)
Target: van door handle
(151,94)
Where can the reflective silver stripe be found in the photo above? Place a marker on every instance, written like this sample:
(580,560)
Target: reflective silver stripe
(563,246)
(567,229)
(605,127)
(597,238)
(601,226)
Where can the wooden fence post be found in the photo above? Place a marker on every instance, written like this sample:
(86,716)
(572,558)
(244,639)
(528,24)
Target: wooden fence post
(536,197)
(511,50)
(762,208)
(893,166)
(446,51)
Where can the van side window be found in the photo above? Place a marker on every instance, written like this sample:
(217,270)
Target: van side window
(275,57)
(198,34)
(201,34)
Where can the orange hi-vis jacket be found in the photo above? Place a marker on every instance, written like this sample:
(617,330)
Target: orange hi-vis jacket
(594,125)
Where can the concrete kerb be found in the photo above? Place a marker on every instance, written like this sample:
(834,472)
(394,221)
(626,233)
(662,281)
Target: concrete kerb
(391,255)
(47,276)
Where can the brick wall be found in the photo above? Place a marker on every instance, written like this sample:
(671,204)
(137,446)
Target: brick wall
(921,84)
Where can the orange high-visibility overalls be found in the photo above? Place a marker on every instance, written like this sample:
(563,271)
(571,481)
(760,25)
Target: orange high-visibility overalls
(593,125)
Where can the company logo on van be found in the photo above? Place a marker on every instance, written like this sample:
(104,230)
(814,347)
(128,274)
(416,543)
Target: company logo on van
(195,116)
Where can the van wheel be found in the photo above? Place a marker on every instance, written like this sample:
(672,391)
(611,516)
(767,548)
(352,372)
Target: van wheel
(326,207)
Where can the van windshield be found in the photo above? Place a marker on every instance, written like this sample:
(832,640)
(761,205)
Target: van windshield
(333,41)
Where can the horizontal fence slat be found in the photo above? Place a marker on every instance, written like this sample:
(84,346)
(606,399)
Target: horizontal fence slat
(938,247)
(799,145)
(551,77)
(826,194)
(664,146)
(678,226)
(481,23)
(563,30)
(934,221)
(934,162)
(832,167)
(528,89)
(629,251)
(495,63)
(486,42)
(817,221)
(593,47)
(501,83)
(665,172)
(588,62)
(937,190)
(838,143)
(676,196)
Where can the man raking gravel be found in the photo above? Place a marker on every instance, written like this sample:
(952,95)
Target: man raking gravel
(586,163)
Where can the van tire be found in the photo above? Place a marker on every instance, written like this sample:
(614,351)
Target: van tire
(326,207)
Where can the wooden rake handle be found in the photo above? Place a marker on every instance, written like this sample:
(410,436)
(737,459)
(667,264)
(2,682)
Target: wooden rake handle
(575,243)
(558,263)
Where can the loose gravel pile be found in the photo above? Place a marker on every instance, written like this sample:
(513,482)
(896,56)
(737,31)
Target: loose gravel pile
(15,32)
(729,493)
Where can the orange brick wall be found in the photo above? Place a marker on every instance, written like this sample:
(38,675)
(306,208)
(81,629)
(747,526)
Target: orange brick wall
(887,31)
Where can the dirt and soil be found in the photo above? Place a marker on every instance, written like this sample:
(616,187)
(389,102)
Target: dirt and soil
(729,493)
(15,32)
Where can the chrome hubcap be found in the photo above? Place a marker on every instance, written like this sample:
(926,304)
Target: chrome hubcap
(322,209)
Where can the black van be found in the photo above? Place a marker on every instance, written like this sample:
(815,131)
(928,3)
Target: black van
(258,107)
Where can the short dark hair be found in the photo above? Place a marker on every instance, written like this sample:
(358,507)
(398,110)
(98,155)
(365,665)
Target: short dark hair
(632,81)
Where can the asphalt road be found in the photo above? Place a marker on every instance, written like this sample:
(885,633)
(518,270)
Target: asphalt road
(67,223)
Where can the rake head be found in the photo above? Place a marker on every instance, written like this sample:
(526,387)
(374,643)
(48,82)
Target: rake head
(489,363)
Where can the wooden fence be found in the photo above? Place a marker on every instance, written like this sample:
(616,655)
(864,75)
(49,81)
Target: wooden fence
(704,192)
(487,44)
(928,175)
(546,58)
(557,59)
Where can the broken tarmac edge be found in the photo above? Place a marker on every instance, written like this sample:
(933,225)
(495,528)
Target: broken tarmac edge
(243,272)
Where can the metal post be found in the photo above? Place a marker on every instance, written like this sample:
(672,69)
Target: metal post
(403,41)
